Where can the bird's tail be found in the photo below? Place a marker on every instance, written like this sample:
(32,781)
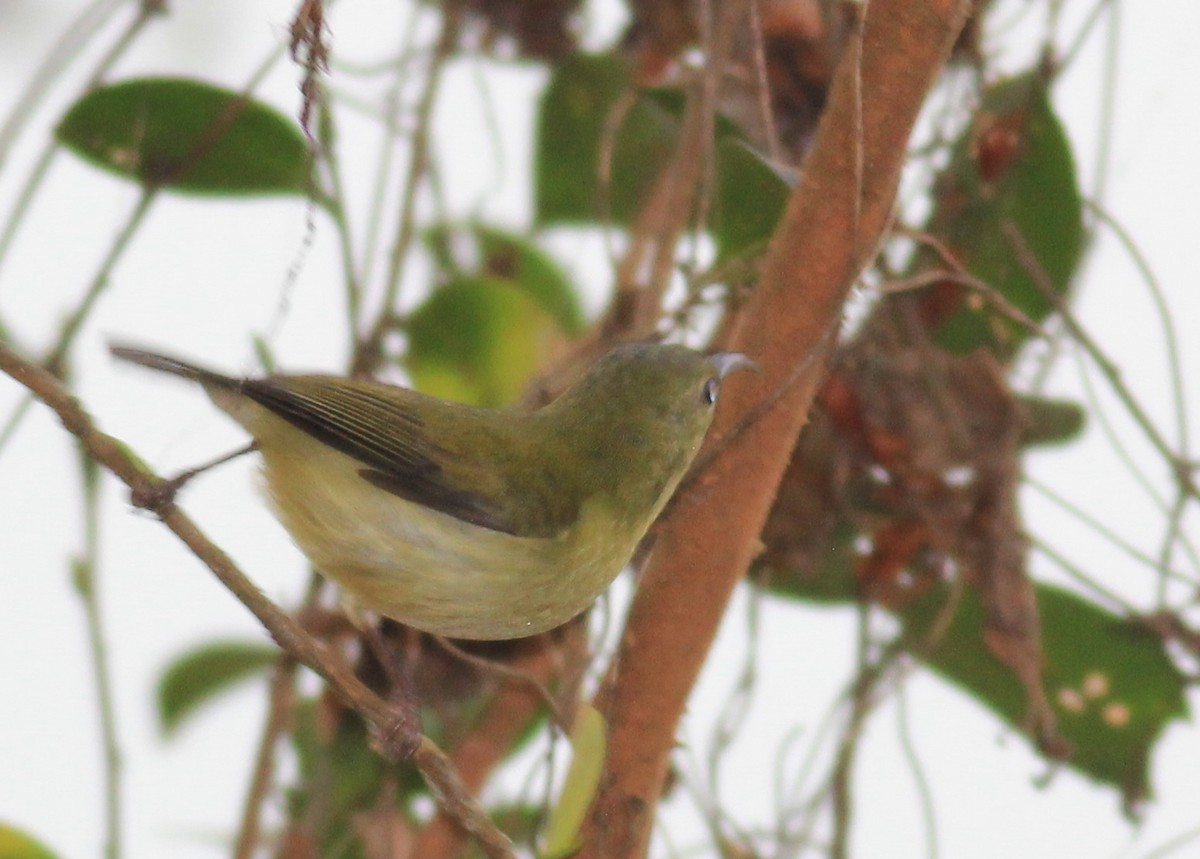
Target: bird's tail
(175,367)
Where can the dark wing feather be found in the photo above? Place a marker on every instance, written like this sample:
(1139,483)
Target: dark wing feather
(367,423)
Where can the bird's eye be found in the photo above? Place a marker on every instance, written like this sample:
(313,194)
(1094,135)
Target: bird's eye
(709,393)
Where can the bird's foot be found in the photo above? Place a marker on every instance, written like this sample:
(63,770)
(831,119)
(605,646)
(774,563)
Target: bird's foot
(398,738)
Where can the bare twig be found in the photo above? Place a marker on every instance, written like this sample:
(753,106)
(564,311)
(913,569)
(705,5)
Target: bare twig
(73,323)
(369,347)
(1172,845)
(1181,468)
(861,704)
(1107,533)
(1112,373)
(959,275)
(84,575)
(100,281)
(279,712)
(506,718)
(70,44)
(499,669)
(921,781)
(762,84)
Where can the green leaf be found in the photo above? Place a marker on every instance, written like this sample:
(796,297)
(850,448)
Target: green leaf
(1049,421)
(478,340)
(480,250)
(1011,171)
(349,770)
(197,677)
(574,140)
(751,195)
(602,144)
(16,844)
(265,354)
(188,136)
(1112,685)
(341,778)
(589,743)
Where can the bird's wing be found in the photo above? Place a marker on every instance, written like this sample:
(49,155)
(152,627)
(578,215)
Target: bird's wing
(366,421)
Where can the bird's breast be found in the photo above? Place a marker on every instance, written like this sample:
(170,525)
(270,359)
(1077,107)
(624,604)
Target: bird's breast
(430,570)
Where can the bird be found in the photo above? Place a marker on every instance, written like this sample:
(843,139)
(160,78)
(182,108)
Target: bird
(470,522)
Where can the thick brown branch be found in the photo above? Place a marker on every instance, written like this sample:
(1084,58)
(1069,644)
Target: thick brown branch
(831,228)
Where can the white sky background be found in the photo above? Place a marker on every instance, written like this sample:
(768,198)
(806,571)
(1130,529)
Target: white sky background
(202,274)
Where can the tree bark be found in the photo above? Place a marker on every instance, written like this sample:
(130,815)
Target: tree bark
(830,231)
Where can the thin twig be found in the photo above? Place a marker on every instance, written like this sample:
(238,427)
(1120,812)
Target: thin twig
(1067,56)
(861,695)
(390,120)
(69,46)
(368,349)
(762,85)
(1109,534)
(70,328)
(1174,365)
(24,198)
(14,421)
(279,713)
(28,191)
(858,12)
(84,569)
(1106,121)
(506,718)
(499,669)
(924,793)
(100,281)
(793,797)
(959,275)
(1181,468)
(965,278)
(337,209)
(1033,267)
(1114,599)
(1183,839)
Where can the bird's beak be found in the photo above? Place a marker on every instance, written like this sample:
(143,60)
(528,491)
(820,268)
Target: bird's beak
(727,362)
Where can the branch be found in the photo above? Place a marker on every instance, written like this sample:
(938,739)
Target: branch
(368,348)
(279,714)
(829,232)
(508,716)
(396,740)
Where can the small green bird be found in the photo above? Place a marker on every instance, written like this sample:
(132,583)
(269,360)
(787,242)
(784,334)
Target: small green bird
(470,522)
